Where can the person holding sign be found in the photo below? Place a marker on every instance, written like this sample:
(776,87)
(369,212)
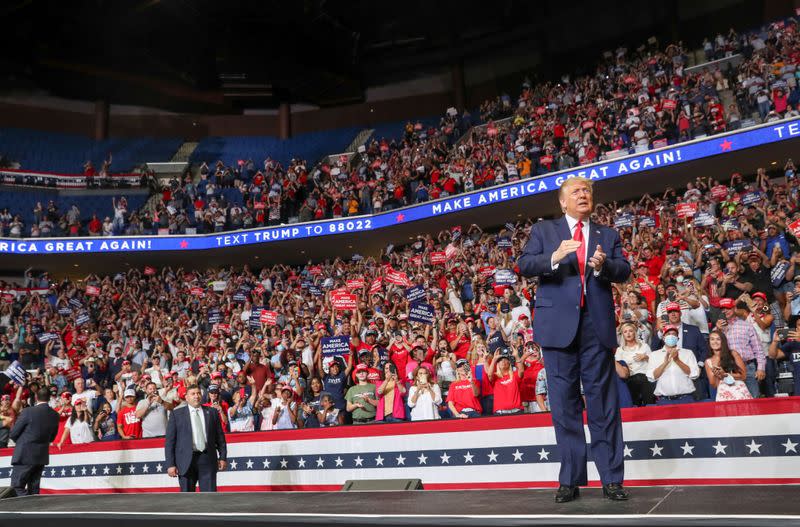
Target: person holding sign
(576,262)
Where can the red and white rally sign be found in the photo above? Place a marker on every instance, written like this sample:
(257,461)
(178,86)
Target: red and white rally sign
(487,270)
(794,227)
(356,283)
(397,278)
(8,298)
(685,210)
(315,270)
(196,291)
(92,290)
(344,301)
(73,373)
(450,251)
(376,286)
(719,192)
(225,328)
(669,104)
(438,258)
(149,271)
(416,259)
(546,160)
(269,318)
(259,290)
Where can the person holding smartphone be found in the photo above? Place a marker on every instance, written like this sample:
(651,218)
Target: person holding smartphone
(785,345)
(462,397)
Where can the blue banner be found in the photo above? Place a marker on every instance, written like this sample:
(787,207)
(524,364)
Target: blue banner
(335,346)
(421,312)
(674,155)
(415,294)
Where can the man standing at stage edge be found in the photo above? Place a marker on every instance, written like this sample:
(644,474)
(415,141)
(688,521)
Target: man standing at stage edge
(33,432)
(576,262)
(195,444)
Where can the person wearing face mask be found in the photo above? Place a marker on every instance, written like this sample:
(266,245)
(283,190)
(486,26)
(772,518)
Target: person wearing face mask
(673,369)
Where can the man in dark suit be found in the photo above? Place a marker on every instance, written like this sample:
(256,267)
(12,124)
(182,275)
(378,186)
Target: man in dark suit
(689,337)
(33,432)
(576,262)
(195,444)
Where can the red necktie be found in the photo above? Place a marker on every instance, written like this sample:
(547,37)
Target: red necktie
(581,254)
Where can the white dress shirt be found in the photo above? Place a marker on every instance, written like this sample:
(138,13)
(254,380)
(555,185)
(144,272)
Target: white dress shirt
(673,380)
(198,442)
(627,355)
(572,223)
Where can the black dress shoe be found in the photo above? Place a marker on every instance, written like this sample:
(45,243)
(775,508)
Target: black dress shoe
(566,493)
(615,492)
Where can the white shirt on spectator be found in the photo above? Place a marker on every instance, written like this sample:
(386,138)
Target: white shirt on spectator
(627,355)
(673,380)
(87,395)
(80,431)
(425,407)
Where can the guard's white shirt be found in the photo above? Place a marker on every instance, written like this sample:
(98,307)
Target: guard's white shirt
(673,380)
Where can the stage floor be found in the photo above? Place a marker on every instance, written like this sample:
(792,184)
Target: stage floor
(750,506)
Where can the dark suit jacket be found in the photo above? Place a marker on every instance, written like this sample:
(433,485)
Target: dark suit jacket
(692,339)
(558,296)
(178,444)
(34,430)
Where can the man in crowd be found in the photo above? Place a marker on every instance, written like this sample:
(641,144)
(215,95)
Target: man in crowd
(673,369)
(742,337)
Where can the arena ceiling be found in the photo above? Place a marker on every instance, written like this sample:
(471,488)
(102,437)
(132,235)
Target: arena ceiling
(223,56)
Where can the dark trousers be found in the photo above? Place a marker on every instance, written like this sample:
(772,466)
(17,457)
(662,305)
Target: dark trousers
(586,360)
(26,478)
(641,389)
(203,470)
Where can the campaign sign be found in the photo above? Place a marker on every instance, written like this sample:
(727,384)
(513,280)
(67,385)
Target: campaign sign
(45,337)
(505,277)
(397,277)
(504,243)
(450,251)
(73,373)
(82,318)
(92,290)
(74,302)
(794,227)
(269,318)
(149,271)
(334,347)
(751,197)
(704,219)
(214,316)
(421,312)
(196,291)
(66,310)
(356,283)
(737,246)
(438,258)
(730,225)
(415,294)
(344,301)
(669,104)
(623,220)
(647,221)
(719,192)
(376,286)
(255,317)
(778,273)
(685,210)
(239,296)
(315,291)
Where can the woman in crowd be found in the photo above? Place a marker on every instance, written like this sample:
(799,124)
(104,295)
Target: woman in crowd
(725,370)
(105,423)
(284,416)
(328,415)
(78,427)
(240,414)
(309,408)
(424,396)
(391,393)
(635,354)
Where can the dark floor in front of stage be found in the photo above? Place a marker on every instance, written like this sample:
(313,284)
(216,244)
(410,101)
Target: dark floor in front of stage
(451,507)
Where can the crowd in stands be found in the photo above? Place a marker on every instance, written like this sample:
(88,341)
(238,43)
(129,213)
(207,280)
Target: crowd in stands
(633,101)
(439,328)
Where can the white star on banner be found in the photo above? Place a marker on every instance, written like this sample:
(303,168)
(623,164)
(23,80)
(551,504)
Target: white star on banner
(301,463)
(401,460)
(543,455)
(63,472)
(94,471)
(132,469)
(52,472)
(159,467)
(73,471)
(145,469)
(284,463)
(656,450)
(106,470)
(119,469)
(517,455)
(687,449)
(423,459)
(249,463)
(266,463)
(789,446)
(359,461)
(445,458)
(320,462)
(492,457)
(339,461)
(628,452)
(83,471)
(755,448)
(468,457)
(379,461)
(233,465)
(719,448)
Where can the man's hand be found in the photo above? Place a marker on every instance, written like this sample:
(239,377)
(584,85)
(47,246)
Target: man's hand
(172,472)
(597,259)
(222,464)
(566,248)
(761,375)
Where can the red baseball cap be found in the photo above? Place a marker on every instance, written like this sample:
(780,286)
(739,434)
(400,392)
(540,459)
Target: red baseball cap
(760,295)
(361,367)
(727,303)
(669,327)
(673,306)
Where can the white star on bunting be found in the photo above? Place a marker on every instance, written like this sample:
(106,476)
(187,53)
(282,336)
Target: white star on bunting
(338,460)
(755,448)
(159,467)
(301,463)
(719,448)
(233,465)
(266,463)
(789,446)
(249,463)
(284,463)
(401,460)
(83,471)
(543,455)
(628,452)
(52,472)
(320,462)
(492,457)
(359,461)
(517,455)
(73,471)
(423,459)
(119,469)
(468,457)
(688,450)
(94,471)
(656,450)
(445,458)
(145,469)
(379,461)
(132,469)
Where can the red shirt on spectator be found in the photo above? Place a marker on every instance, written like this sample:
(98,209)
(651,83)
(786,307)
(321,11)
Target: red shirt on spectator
(506,392)
(399,356)
(461,395)
(131,425)
(527,389)
(95,225)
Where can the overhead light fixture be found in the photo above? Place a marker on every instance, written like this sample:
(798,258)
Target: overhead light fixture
(74,265)
(774,163)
